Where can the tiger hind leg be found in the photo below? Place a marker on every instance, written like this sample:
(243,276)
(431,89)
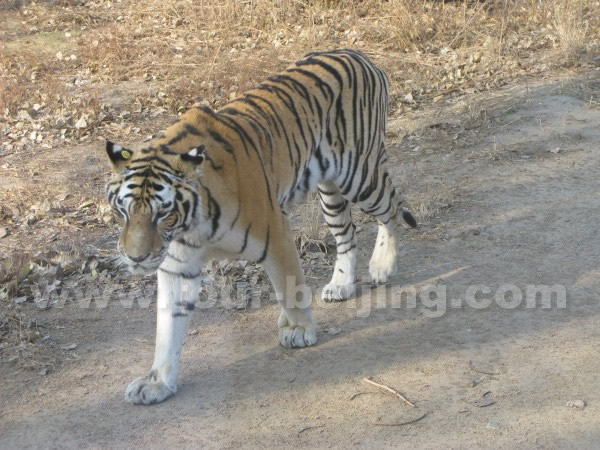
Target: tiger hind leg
(385,205)
(336,210)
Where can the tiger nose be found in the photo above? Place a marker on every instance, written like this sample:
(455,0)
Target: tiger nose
(139,259)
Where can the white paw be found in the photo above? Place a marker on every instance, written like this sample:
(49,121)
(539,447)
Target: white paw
(382,267)
(297,337)
(148,390)
(338,292)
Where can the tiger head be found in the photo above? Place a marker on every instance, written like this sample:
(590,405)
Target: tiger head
(161,192)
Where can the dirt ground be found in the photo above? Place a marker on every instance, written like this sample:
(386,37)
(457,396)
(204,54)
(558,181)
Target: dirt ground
(506,187)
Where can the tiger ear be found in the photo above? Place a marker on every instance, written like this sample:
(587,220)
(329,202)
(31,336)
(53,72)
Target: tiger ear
(118,155)
(195,155)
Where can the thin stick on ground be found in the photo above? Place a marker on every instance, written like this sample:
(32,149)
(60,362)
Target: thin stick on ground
(358,394)
(309,428)
(390,390)
(481,371)
(399,424)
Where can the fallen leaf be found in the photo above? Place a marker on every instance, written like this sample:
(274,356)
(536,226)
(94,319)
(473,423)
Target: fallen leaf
(85,204)
(3,232)
(63,197)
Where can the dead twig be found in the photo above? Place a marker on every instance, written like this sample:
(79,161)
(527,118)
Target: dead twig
(390,390)
(399,424)
(309,428)
(481,371)
(358,394)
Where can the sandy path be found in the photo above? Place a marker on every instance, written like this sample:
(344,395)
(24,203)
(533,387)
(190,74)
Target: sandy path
(520,215)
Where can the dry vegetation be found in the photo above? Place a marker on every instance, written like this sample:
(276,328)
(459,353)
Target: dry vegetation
(73,72)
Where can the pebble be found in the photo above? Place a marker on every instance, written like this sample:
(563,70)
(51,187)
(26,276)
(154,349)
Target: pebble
(579,404)
(493,425)
(69,347)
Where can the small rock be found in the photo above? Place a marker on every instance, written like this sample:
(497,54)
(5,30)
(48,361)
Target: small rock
(20,300)
(578,404)
(44,371)
(193,332)
(408,98)
(81,123)
(333,331)
(483,402)
(555,150)
(69,347)
(493,425)
(3,232)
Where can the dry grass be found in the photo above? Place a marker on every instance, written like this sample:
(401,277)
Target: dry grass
(309,229)
(432,203)
(571,19)
(214,49)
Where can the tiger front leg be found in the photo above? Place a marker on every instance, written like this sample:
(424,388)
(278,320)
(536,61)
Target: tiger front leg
(177,294)
(296,325)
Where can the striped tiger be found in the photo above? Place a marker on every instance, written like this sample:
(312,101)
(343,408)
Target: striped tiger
(217,185)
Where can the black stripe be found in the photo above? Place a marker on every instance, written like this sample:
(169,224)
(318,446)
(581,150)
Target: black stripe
(245,239)
(185,275)
(175,258)
(214,212)
(347,250)
(334,225)
(188,306)
(166,150)
(221,140)
(264,254)
(347,241)
(185,243)
(344,231)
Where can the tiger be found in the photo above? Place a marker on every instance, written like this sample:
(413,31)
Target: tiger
(217,184)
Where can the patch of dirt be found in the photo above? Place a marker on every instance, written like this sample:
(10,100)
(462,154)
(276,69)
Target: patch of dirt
(506,187)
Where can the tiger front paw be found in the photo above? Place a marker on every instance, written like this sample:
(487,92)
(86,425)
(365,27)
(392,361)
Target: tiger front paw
(148,390)
(297,337)
(338,292)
